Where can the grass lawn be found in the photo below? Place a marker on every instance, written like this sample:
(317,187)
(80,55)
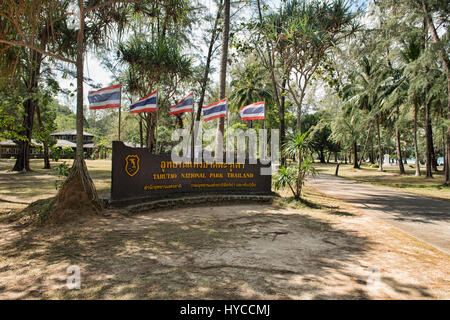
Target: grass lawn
(390,178)
(17,190)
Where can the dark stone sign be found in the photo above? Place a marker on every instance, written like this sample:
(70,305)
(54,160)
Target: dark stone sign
(137,173)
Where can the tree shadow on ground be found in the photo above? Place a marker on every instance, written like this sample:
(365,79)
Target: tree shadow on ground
(239,252)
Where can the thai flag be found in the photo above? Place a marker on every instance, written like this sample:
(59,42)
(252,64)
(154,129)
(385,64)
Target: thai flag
(185,105)
(146,104)
(104,98)
(252,111)
(215,110)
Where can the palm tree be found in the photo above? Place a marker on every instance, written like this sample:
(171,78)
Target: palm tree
(364,92)
(411,52)
(299,146)
(249,87)
(150,65)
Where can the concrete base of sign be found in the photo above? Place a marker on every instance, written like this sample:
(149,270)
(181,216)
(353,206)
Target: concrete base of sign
(136,205)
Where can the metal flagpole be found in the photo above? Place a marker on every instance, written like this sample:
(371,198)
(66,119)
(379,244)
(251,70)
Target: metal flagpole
(120,107)
(264,115)
(226,131)
(192,132)
(156,124)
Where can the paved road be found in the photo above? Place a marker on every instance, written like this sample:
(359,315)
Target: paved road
(424,218)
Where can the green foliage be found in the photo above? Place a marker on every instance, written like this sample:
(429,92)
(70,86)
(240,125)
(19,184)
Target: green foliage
(67,152)
(249,86)
(153,62)
(320,133)
(299,146)
(55,153)
(285,177)
(63,171)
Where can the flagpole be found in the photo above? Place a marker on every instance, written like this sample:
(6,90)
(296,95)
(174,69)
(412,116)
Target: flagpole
(156,124)
(192,133)
(264,122)
(120,107)
(226,131)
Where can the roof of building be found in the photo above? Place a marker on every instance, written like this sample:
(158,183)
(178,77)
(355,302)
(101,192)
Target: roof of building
(7,143)
(70,133)
(130,144)
(65,143)
(59,143)
(12,143)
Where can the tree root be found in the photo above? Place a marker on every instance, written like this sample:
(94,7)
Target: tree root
(76,197)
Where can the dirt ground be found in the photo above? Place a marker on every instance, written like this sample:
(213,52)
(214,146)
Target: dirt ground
(320,249)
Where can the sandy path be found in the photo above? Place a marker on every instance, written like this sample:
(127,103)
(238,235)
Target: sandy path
(322,251)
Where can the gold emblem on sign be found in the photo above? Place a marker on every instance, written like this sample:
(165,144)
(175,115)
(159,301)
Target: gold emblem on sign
(132,164)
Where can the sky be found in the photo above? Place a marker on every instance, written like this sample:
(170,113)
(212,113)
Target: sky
(99,75)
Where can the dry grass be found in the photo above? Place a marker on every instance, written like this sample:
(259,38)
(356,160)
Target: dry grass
(390,178)
(17,190)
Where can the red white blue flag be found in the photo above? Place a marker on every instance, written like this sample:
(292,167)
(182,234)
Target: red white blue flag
(215,110)
(104,98)
(146,104)
(185,105)
(253,111)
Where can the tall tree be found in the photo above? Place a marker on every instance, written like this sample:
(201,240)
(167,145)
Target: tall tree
(223,76)
(78,193)
(446,63)
(204,81)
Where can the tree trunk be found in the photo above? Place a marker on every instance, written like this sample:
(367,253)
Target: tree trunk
(380,153)
(150,124)
(433,152)
(399,152)
(23,157)
(214,35)
(429,140)
(222,78)
(355,155)
(372,154)
(299,183)
(321,156)
(77,195)
(180,121)
(280,100)
(41,127)
(365,145)
(141,134)
(446,63)
(397,142)
(282,121)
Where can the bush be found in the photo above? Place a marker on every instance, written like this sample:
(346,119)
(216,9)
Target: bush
(55,153)
(63,171)
(68,152)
